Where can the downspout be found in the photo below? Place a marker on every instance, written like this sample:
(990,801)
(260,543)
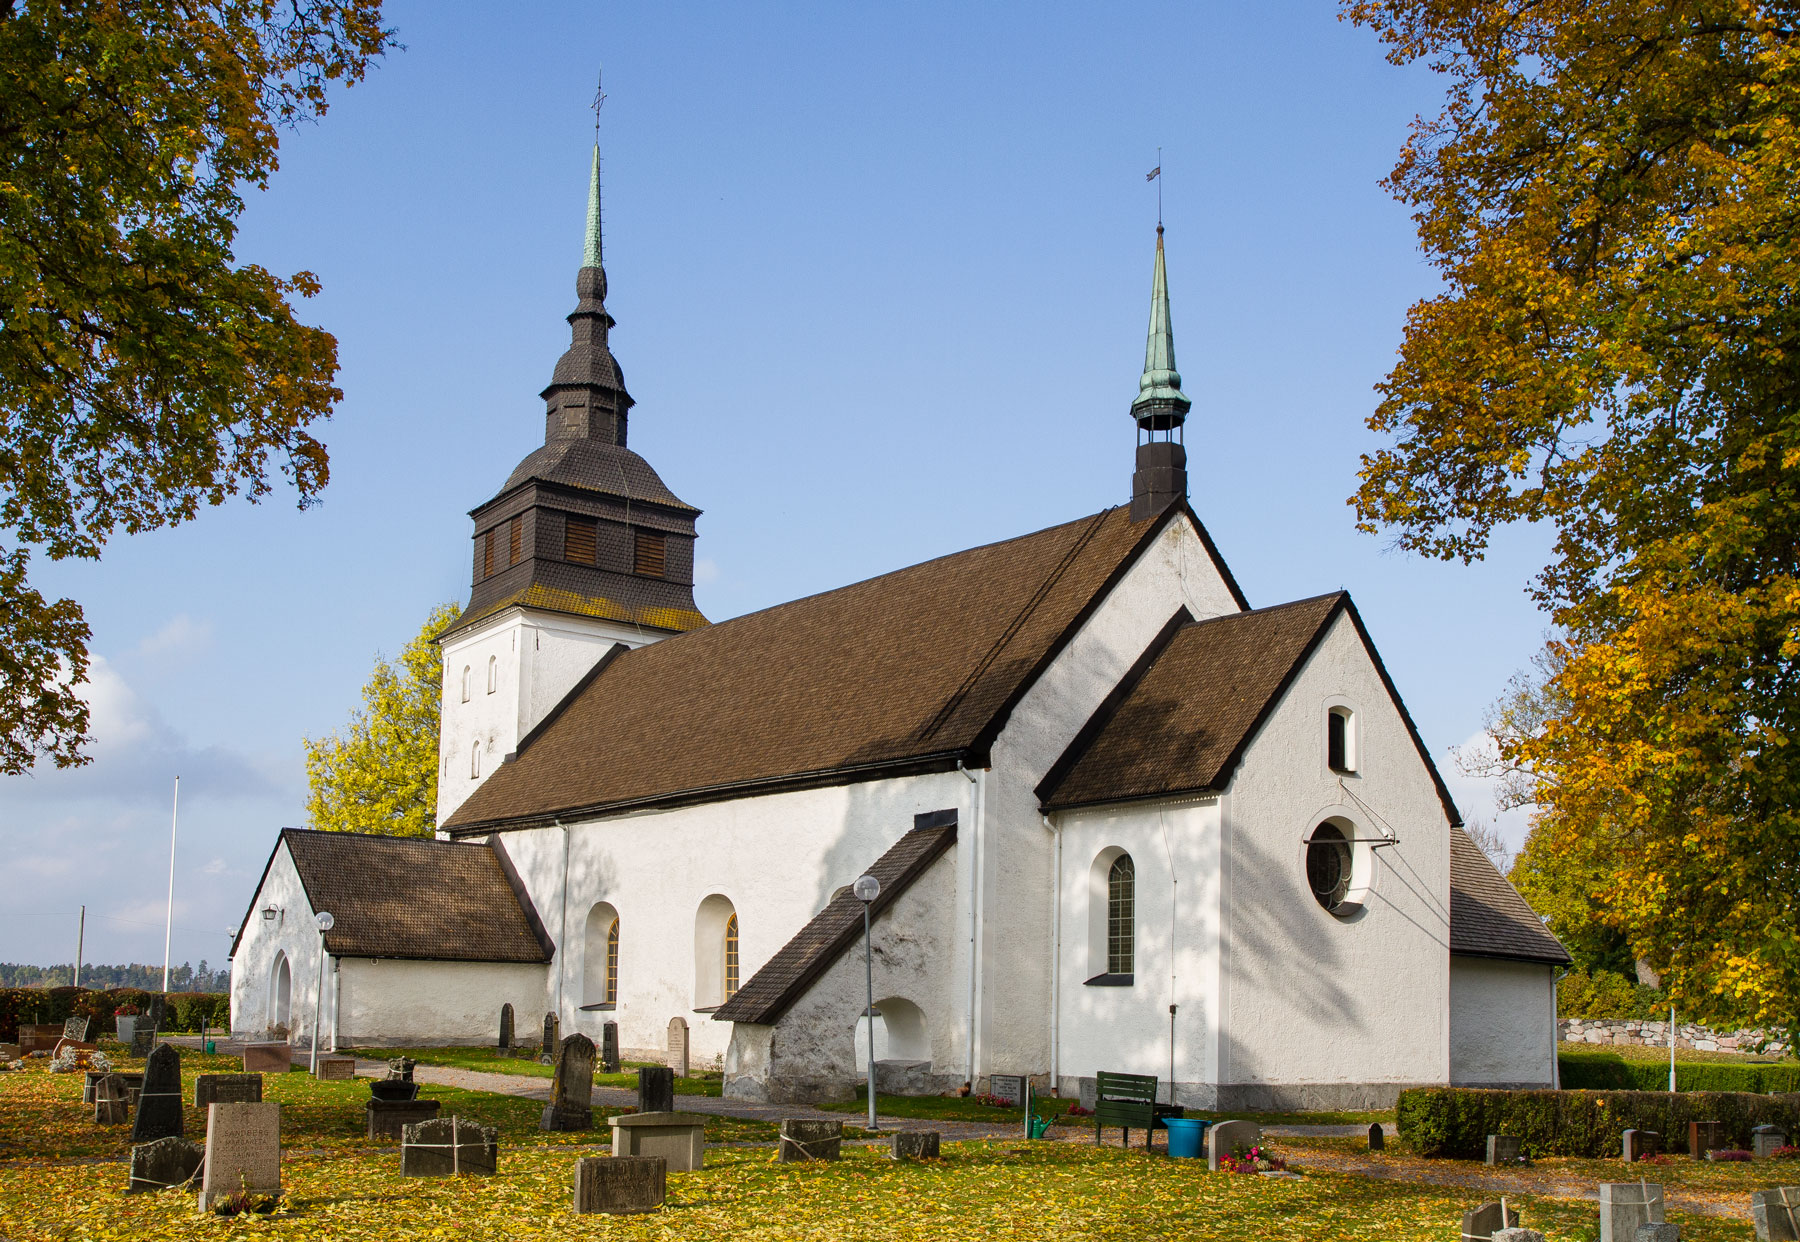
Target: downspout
(562,923)
(1055,961)
(1555,1032)
(975,844)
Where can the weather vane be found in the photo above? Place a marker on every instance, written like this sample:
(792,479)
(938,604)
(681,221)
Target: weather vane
(1155,174)
(599,100)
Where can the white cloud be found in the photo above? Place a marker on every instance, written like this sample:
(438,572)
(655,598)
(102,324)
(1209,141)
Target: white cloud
(181,636)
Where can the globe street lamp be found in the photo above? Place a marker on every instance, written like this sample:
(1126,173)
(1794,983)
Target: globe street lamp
(325,922)
(867,888)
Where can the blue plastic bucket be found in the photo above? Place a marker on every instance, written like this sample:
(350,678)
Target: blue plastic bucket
(1185,1135)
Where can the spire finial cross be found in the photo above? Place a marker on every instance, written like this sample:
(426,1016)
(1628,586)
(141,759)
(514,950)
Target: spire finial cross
(599,101)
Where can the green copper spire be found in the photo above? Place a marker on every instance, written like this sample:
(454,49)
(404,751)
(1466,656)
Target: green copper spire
(1160,402)
(590,250)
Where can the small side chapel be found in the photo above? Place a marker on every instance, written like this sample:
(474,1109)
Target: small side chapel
(1121,820)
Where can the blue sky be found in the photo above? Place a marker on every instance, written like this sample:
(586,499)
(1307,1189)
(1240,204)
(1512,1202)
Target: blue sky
(881,276)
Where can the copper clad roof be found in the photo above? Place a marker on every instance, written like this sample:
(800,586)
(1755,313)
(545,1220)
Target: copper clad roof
(920,666)
(1181,723)
(794,968)
(410,898)
(1488,917)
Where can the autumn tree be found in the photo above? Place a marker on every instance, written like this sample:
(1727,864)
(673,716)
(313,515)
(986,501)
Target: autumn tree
(380,774)
(144,371)
(1611,196)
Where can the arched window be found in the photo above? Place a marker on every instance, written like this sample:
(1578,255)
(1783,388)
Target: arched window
(475,761)
(1340,740)
(280,993)
(612,963)
(715,952)
(1121,897)
(493,673)
(731,956)
(600,957)
(465,684)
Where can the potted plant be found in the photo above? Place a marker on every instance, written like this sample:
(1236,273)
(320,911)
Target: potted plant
(126,1017)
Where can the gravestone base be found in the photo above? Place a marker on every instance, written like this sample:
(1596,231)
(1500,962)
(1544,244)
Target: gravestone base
(1488,1220)
(566,1117)
(164,1163)
(1626,1205)
(620,1184)
(449,1147)
(913,1145)
(679,1138)
(337,1069)
(1777,1214)
(810,1140)
(388,1118)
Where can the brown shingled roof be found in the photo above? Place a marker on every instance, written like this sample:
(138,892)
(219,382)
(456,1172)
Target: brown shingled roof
(405,897)
(795,967)
(1488,918)
(910,671)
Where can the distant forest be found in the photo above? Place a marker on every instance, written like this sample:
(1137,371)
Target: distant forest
(183,978)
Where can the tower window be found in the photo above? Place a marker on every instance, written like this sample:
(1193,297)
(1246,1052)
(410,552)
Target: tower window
(1121,901)
(493,673)
(612,963)
(487,554)
(580,540)
(515,540)
(1340,740)
(475,761)
(651,555)
(731,956)
(465,684)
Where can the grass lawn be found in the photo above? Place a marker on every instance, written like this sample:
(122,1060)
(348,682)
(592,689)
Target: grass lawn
(1660,1056)
(956,1108)
(484,1061)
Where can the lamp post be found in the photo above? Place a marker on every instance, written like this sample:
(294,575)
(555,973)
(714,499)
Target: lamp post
(867,888)
(325,922)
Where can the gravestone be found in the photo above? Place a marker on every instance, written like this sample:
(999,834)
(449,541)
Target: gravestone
(389,1118)
(1487,1220)
(551,1029)
(678,1046)
(810,1140)
(38,1036)
(1087,1093)
(620,1184)
(1777,1214)
(159,1104)
(1502,1149)
(1705,1136)
(572,1091)
(656,1089)
(143,1038)
(609,1047)
(1007,1087)
(1765,1141)
(226,1089)
(506,1029)
(1225,1138)
(266,1058)
(9,1052)
(155,1010)
(1626,1205)
(400,1069)
(75,1029)
(337,1069)
(1517,1235)
(679,1138)
(449,1147)
(913,1145)
(164,1163)
(1657,1233)
(1377,1136)
(110,1108)
(243,1151)
(1636,1144)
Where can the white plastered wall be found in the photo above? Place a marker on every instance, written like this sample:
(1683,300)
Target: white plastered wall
(1502,1023)
(1322,1011)
(385,1002)
(291,933)
(537,658)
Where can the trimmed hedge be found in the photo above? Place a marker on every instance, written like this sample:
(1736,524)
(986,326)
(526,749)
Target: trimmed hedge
(1608,1071)
(1455,1121)
(185,1010)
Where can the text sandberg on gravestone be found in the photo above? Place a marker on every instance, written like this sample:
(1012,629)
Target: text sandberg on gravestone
(1777,1214)
(620,1184)
(810,1140)
(227,1089)
(1626,1205)
(678,1046)
(164,1163)
(1228,1138)
(609,1047)
(243,1151)
(1007,1087)
(656,1089)
(1483,1222)
(506,1029)
(159,1104)
(572,1090)
(449,1147)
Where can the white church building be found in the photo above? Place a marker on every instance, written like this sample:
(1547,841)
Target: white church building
(1121,819)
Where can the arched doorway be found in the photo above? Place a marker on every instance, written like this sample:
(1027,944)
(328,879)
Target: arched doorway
(281,987)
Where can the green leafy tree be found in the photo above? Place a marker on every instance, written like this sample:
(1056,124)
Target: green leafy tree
(380,775)
(143,370)
(1611,196)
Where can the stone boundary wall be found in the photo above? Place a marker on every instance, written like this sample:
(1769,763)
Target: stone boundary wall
(1652,1034)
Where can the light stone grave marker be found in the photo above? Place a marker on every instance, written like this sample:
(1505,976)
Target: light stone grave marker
(75,1029)
(810,1140)
(1488,1219)
(1765,1141)
(1777,1214)
(620,1184)
(1626,1205)
(226,1089)
(449,1147)
(679,1138)
(1088,1093)
(678,1046)
(337,1069)
(572,1090)
(164,1163)
(243,1151)
(159,1103)
(1225,1138)
(1008,1087)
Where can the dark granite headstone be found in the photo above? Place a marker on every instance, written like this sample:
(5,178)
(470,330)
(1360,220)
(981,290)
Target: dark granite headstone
(159,1104)
(656,1089)
(1377,1136)
(506,1028)
(1636,1144)
(165,1162)
(913,1145)
(143,1038)
(1765,1141)
(609,1047)
(227,1089)
(1482,1222)
(389,1118)
(620,1184)
(810,1140)
(448,1147)
(1502,1149)
(1705,1136)
(110,1108)
(1776,1214)
(572,1091)
(552,1033)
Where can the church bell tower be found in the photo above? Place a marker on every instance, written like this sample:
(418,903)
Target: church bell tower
(583,547)
(1160,410)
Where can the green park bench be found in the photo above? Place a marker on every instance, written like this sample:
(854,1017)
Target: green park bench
(1129,1102)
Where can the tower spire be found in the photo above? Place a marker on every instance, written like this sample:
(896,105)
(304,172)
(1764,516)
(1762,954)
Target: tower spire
(590,250)
(1160,408)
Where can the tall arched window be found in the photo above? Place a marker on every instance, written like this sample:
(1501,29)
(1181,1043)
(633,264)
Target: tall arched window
(1121,897)
(731,956)
(475,761)
(612,963)
(1340,740)
(465,684)
(715,952)
(493,673)
(600,957)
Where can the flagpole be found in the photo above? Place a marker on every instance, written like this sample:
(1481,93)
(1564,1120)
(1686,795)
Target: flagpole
(169,919)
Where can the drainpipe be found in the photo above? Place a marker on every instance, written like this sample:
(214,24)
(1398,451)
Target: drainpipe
(1056,961)
(1555,1033)
(562,921)
(974,908)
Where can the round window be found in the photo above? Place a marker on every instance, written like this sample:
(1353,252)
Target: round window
(1328,866)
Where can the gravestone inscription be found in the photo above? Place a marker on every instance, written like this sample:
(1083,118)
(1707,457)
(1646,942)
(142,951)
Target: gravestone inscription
(572,1090)
(506,1028)
(1486,1220)
(609,1047)
(449,1147)
(159,1104)
(1626,1205)
(337,1069)
(1776,1214)
(656,1089)
(243,1151)
(227,1089)
(678,1046)
(620,1184)
(164,1163)
(1007,1087)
